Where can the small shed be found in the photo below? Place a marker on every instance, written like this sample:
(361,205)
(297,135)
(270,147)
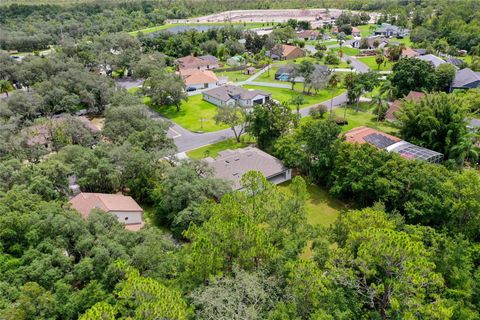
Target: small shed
(249,71)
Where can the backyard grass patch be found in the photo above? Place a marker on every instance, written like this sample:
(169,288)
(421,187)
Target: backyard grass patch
(322,208)
(370,62)
(195,115)
(365,30)
(346,50)
(234,76)
(285,95)
(212,150)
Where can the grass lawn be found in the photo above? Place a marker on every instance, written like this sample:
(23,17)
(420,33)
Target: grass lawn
(370,62)
(363,117)
(365,30)
(322,209)
(285,95)
(405,41)
(195,115)
(234,76)
(347,51)
(212,150)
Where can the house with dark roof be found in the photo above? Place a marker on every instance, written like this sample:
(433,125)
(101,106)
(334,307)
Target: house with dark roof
(284,73)
(231,165)
(465,79)
(455,61)
(397,104)
(389,30)
(127,210)
(230,95)
(389,143)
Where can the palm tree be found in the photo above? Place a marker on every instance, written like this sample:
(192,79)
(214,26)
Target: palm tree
(297,100)
(5,86)
(332,85)
(387,90)
(465,150)
(380,106)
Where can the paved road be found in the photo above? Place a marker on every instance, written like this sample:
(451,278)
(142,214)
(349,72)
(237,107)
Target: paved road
(187,140)
(357,65)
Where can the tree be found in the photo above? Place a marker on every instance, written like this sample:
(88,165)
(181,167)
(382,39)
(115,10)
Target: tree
(381,107)
(269,121)
(436,122)
(445,73)
(235,117)
(332,59)
(5,86)
(379,58)
(410,74)
(305,70)
(165,89)
(297,101)
(332,86)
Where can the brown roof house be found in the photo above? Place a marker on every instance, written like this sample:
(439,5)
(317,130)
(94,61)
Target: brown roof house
(229,96)
(231,165)
(308,34)
(127,211)
(198,79)
(389,143)
(409,53)
(285,52)
(201,63)
(397,104)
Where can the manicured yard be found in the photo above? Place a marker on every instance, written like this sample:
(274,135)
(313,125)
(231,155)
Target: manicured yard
(405,41)
(322,209)
(234,76)
(212,150)
(347,50)
(194,115)
(370,62)
(365,30)
(285,95)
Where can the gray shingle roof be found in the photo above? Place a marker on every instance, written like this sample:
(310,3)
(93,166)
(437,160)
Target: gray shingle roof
(464,77)
(436,61)
(233,164)
(228,92)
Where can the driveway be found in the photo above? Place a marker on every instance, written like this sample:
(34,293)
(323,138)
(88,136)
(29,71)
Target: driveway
(128,83)
(356,64)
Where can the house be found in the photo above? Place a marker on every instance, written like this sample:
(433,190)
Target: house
(308,34)
(455,61)
(388,30)
(356,32)
(286,52)
(285,72)
(397,104)
(249,71)
(420,51)
(370,43)
(198,79)
(230,96)
(231,165)
(433,59)
(409,53)
(201,63)
(41,134)
(236,61)
(465,79)
(390,143)
(127,211)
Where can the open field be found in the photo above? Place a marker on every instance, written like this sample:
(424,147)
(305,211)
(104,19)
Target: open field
(212,150)
(195,115)
(285,95)
(370,62)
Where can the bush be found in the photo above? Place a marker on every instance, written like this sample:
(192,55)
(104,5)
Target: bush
(341,121)
(318,112)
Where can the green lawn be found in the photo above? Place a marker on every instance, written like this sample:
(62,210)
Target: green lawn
(195,115)
(285,95)
(212,150)
(370,62)
(365,30)
(405,41)
(234,76)
(322,209)
(346,51)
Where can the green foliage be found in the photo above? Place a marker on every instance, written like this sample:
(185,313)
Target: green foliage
(410,74)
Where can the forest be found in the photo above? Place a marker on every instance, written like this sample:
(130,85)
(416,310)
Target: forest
(406,245)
